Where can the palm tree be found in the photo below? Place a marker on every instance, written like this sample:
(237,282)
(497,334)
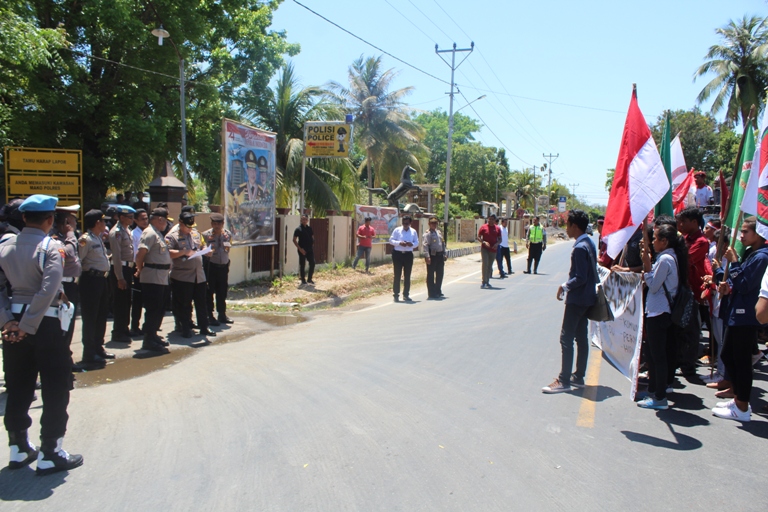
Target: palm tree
(740,68)
(524,184)
(383,128)
(330,183)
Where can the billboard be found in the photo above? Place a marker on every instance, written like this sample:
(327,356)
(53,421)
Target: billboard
(53,172)
(384,220)
(327,139)
(248,183)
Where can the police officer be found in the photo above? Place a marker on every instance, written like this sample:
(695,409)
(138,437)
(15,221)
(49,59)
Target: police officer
(187,276)
(64,226)
(153,264)
(93,281)
(10,218)
(142,222)
(217,268)
(536,245)
(434,256)
(33,340)
(248,190)
(121,273)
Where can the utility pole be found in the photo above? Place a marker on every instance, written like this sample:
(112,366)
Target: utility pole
(573,186)
(535,194)
(453,67)
(551,159)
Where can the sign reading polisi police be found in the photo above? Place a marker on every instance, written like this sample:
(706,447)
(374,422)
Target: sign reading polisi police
(327,139)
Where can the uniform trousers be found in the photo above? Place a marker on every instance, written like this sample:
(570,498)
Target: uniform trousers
(153,298)
(534,254)
(122,301)
(93,313)
(217,276)
(72,291)
(435,269)
(137,304)
(402,261)
(184,294)
(46,352)
(739,343)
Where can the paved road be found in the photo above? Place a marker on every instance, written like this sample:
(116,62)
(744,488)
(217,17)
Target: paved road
(424,406)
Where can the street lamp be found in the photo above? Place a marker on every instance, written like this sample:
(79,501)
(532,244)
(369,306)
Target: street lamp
(448,156)
(161,34)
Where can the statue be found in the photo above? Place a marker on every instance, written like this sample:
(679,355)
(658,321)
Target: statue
(406,184)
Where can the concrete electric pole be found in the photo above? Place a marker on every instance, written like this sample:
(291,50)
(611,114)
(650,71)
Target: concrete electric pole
(551,159)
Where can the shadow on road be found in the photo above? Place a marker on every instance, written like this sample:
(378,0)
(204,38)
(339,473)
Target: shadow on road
(672,417)
(599,393)
(23,485)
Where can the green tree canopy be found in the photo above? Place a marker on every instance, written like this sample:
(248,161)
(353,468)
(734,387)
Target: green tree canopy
(435,123)
(100,99)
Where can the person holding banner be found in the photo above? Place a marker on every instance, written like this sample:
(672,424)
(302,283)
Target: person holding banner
(742,286)
(580,293)
(663,280)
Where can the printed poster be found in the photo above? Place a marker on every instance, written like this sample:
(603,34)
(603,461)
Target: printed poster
(248,183)
(384,220)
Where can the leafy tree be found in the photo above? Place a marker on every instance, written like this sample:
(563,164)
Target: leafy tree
(284,109)
(98,97)
(525,186)
(388,135)
(609,179)
(435,123)
(740,68)
(475,172)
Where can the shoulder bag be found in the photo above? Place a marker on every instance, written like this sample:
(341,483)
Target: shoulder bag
(600,311)
(682,306)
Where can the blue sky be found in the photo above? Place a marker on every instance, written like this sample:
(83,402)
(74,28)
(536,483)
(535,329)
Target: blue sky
(561,72)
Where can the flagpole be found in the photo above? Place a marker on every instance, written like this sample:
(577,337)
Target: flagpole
(734,182)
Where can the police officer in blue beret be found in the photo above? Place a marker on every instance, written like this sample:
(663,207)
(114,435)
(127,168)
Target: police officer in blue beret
(33,339)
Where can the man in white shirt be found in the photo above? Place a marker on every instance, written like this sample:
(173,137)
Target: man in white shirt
(503,251)
(404,241)
(142,221)
(704,194)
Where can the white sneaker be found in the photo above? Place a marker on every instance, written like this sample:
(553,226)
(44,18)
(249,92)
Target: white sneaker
(727,403)
(731,412)
(716,377)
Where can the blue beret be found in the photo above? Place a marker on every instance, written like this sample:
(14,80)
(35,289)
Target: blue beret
(125,209)
(39,203)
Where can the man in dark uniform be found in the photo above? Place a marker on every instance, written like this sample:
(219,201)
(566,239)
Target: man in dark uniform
(93,281)
(153,264)
(187,276)
(304,240)
(217,268)
(64,225)
(33,340)
(121,273)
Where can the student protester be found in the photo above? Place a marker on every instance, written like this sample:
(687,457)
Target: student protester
(742,288)
(663,280)
(580,293)
(365,236)
(489,236)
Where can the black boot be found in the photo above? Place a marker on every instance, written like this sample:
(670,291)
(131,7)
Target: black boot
(53,458)
(22,451)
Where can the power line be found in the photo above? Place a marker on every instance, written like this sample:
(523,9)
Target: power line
(494,133)
(369,44)
(454,21)
(430,20)
(409,20)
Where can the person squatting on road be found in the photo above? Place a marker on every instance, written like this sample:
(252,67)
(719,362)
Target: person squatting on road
(404,240)
(434,256)
(31,264)
(663,279)
(489,236)
(580,294)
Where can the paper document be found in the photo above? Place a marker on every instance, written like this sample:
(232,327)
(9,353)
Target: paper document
(201,253)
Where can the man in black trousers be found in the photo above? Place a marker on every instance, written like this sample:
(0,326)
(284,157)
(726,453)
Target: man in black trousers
(304,240)
(580,293)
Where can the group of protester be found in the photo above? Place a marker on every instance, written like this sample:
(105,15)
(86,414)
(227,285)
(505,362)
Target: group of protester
(46,271)
(677,258)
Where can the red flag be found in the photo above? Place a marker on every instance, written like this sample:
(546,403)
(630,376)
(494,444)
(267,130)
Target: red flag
(680,194)
(724,196)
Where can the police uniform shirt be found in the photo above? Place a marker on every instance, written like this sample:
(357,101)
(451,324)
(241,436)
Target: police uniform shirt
(93,254)
(535,234)
(40,288)
(219,256)
(182,269)
(72,265)
(157,254)
(121,243)
(433,242)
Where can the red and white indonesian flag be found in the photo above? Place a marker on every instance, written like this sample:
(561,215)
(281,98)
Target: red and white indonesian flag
(679,169)
(760,162)
(639,182)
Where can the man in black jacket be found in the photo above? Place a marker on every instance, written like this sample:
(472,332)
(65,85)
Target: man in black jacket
(580,294)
